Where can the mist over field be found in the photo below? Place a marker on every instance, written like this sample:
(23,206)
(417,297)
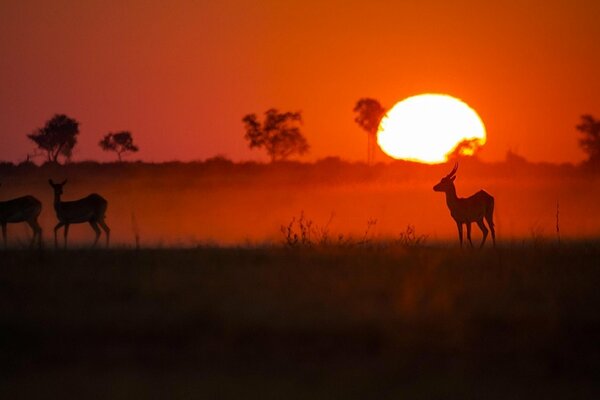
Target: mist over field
(223,203)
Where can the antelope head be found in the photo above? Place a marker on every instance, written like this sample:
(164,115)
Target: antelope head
(446,182)
(57,186)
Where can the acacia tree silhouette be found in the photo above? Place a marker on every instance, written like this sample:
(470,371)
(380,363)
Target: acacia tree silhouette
(279,134)
(120,143)
(57,138)
(369,113)
(590,143)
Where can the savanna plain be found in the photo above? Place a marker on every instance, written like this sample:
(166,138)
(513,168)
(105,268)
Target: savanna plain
(326,280)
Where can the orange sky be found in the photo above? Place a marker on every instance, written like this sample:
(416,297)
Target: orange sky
(181,75)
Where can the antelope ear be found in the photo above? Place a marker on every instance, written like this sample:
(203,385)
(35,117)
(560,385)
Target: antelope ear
(453,178)
(65,181)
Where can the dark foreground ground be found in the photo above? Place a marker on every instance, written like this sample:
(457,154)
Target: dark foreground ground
(274,323)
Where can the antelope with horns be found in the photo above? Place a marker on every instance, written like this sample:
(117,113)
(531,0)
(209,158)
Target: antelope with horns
(22,209)
(90,209)
(475,208)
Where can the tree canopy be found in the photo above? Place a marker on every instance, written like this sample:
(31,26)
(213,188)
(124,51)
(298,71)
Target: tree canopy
(369,113)
(590,142)
(120,143)
(57,137)
(279,134)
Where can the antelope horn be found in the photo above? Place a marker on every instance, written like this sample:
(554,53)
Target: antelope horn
(451,174)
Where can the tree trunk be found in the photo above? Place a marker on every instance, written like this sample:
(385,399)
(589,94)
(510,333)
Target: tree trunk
(370,149)
(57,153)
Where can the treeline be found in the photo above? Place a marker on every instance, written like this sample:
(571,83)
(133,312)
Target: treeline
(329,169)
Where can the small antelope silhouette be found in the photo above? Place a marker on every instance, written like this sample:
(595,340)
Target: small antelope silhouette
(22,209)
(90,209)
(467,210)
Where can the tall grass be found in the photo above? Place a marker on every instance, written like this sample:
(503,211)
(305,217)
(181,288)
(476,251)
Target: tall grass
(319,322)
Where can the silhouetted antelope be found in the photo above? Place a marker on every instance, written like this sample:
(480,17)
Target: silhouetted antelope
(22,209)
(90,209)
(468,210)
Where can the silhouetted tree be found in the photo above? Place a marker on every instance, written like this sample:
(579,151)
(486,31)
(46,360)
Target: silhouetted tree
(369,114)
(590,143)
(279,134)
(465,148)
(120,143)
(57,138)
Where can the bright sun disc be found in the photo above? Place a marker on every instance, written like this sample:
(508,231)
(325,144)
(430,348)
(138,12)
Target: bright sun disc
(428,127)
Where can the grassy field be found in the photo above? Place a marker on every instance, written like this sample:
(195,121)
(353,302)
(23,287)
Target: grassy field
(522,321)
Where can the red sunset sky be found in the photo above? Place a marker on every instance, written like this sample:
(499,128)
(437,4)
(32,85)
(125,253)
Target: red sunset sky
(180,75)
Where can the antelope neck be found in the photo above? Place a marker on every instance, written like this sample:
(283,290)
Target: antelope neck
(451,197)
(57,201)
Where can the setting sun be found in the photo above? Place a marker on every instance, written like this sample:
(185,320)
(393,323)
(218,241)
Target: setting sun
(427,127)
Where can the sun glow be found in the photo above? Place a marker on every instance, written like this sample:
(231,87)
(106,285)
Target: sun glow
(428,127)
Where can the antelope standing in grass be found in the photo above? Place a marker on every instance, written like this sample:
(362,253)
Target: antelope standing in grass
(90,209)
(22,209)
(475,208)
